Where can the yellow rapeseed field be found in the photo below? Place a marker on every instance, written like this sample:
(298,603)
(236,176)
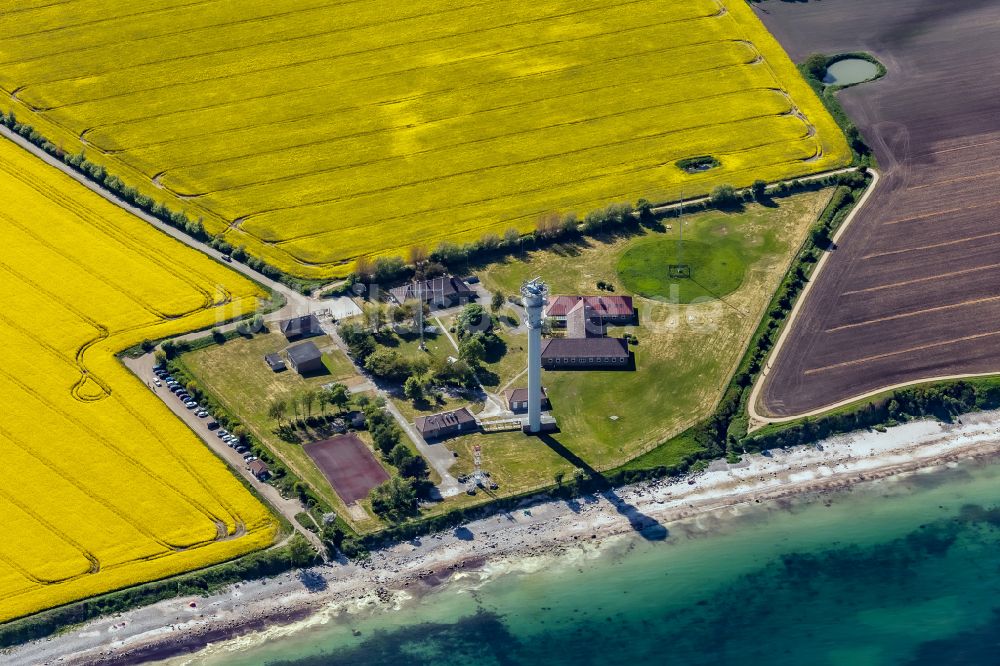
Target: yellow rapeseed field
(314,132)
(103,487)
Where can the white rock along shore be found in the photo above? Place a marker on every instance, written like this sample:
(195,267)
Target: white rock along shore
(175,626)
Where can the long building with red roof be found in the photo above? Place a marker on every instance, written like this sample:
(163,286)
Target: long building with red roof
(608,309)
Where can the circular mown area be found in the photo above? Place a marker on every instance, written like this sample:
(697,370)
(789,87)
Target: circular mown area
(681,271)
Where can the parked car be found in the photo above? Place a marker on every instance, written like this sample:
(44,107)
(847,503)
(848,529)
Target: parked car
(176,389)
(250,459)
(213,425)
(157,382)
(169,379)
(241,449)
(247,455)
(201,413)
(221,434)
(228,258)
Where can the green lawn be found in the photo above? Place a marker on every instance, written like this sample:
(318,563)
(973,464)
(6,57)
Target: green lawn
(683,271)
(516,461)
(235,373)
(686,352)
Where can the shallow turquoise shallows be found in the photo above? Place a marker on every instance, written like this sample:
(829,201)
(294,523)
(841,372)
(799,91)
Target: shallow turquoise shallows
(903,571)
(849,71)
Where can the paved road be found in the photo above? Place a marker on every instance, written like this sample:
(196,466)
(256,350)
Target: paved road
(438,456)
(143,369)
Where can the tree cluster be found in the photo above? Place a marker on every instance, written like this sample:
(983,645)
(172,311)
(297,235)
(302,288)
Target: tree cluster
(397,498)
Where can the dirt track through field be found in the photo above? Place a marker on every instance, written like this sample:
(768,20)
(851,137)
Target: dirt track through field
(911,291)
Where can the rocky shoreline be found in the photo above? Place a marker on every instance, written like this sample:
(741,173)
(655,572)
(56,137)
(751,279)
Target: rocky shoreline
(486,547)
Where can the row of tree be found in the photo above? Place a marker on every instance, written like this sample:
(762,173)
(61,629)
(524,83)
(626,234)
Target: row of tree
(397,498)
(943,401)
(300,407)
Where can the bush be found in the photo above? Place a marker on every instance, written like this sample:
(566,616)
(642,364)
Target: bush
(724,196)
(395,499)
(815,65)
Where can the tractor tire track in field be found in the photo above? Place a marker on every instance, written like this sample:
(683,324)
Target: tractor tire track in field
(137,464)
(908,295)
(85,215)
(102,331)
(403,157)
(333,58)
(116,17)
(374,105)
(152,255)
(458,231)
(667,159)
(169,33)
(52,467)
(95,564)
(444,119)
(408,98)
(255,46)
(188,467)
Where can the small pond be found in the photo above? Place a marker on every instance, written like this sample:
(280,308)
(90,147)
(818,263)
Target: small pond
(850,70)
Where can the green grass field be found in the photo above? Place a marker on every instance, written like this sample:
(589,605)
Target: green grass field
(686,352)
(235,373)
(684,271)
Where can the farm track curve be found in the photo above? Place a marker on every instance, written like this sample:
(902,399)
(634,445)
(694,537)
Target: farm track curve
(909,293)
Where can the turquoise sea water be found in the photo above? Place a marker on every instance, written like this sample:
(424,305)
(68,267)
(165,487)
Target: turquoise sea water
(903,571)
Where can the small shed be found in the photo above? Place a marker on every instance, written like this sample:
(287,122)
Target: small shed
(275,363)
(357,420)
(517,400)
(445,424)
(306,358)
(259,469)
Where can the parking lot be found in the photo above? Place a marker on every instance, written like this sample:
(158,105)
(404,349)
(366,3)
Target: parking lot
(143,368)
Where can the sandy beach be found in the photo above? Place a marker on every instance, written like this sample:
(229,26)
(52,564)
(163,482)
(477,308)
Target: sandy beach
(492,545)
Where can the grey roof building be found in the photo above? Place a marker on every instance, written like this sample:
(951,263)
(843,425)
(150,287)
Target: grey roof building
(517,400)
(585,353)
(441,292)
(259,469)
(305,326)
(444,424)
(305,358)
(274,362)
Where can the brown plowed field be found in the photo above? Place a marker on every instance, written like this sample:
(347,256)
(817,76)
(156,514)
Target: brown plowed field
(913,290)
